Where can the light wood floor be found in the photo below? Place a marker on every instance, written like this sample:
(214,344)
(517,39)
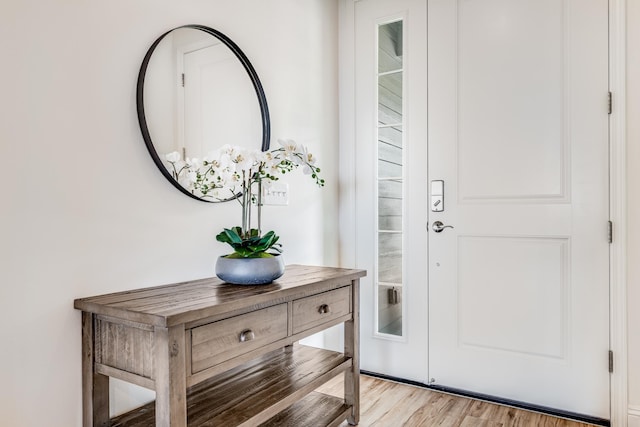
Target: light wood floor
(388,404)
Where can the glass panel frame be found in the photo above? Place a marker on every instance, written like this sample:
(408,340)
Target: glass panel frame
(390,176)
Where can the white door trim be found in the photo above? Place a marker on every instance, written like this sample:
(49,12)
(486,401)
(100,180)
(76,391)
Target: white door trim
(347,133)
(618,184)
(618,208)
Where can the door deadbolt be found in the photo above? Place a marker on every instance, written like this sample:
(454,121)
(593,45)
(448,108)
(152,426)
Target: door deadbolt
(438,226)
(437,195)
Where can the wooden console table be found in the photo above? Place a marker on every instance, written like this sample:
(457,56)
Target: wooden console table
(224,355)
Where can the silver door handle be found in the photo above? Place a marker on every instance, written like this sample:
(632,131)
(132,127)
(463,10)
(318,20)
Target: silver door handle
(438,226)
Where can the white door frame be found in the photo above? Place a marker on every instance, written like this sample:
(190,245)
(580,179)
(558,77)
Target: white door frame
(618,208)
(618,184)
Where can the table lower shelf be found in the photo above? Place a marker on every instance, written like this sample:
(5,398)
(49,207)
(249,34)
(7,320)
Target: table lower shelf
(314,410)
(274,389)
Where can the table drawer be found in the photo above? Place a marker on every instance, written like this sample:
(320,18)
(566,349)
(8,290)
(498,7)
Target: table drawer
(217,342)
(318,309)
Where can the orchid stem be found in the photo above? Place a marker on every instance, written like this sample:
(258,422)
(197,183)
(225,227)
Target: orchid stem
(259,207)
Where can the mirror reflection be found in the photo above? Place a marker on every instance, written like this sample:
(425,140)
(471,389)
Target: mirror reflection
(199,93)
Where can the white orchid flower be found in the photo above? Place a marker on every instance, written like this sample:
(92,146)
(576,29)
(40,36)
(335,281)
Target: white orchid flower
(261,157)
(222,176)
(309,158)
(230,179)
(242,161)
(272,169)
(290,147)
(231,168)
(269,162)
(227,149)
(248,160)
(301,155)
(172,157)
(193,163)
(192,176)
(225,161)
(212,156)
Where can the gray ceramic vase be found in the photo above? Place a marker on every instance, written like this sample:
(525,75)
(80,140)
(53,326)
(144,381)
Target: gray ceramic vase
(249,271)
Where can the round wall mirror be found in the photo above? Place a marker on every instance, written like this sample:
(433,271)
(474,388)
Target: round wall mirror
(197,91)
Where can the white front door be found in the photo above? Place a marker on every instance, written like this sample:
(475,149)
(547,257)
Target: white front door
(518,132)
(517,300)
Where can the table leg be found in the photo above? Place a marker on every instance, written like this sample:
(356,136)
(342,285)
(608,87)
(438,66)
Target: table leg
(352,349)
(170,378)
(95,387)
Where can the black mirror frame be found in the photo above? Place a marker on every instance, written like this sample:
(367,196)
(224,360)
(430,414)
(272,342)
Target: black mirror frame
(262,101)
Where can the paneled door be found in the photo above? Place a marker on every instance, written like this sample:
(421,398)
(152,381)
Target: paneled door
(485,122)
(518,133)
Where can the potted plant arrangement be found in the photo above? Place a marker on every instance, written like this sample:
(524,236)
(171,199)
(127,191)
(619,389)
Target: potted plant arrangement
(240,173)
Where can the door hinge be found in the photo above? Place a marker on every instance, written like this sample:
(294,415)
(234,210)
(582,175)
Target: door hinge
(183,80)
(610,232)
(610,361)
(610,102)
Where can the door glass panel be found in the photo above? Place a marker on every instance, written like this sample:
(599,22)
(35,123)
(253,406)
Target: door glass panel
(390,98)
(390,47)
(390,152)
(390,178)
(389,206)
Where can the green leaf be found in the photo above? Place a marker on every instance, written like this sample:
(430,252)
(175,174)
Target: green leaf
(233,235)
(253,246)
(277,247)
(222,237)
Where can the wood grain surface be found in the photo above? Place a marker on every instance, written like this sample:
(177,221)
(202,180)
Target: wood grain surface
(220,341)
(388,404)
(198,299)
(257,391)
(222,355)
(306,314)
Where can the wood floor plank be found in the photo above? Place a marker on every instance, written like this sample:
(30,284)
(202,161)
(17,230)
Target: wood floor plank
(385,403)
(470,421)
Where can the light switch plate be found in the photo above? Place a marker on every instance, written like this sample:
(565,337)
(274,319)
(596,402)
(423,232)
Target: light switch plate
(276,194)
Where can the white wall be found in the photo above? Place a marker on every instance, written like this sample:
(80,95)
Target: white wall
(84,210)
(633,207)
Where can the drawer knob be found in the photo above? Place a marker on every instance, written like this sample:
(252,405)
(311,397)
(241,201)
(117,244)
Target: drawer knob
(247,335)
(324,309)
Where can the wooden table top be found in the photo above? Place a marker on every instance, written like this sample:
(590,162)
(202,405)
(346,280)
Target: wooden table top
(184,302)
